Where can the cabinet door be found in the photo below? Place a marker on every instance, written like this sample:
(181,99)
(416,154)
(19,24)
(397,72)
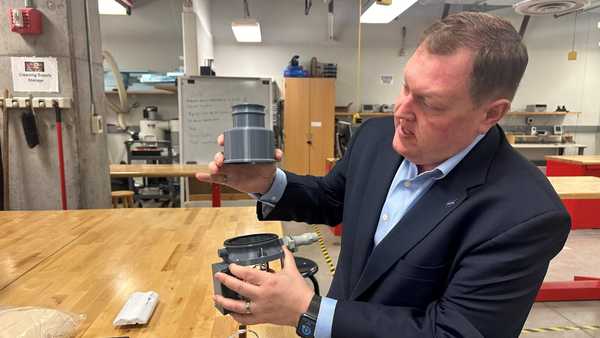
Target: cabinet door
(322,107)
(296,126)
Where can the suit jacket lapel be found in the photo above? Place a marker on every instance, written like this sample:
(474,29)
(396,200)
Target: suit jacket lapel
(385,166)
(419,221)
(442,198)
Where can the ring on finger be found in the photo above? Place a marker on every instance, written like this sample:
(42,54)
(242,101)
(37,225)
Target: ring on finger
(247,307)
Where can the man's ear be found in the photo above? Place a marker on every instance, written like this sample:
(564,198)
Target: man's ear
(495,112)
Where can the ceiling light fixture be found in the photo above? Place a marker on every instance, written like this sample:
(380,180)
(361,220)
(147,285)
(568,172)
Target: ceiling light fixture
(115,7)
(384,11)
(246,29)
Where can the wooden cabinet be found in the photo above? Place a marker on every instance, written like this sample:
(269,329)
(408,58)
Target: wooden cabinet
(308,124)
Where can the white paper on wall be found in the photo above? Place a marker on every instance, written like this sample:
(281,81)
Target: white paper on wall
(34,74)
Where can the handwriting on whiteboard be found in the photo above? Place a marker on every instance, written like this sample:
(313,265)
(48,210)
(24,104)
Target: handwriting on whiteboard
(205,110)
(206,118)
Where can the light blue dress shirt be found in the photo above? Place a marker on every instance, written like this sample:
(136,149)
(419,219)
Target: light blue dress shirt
(407,187)
(271,197)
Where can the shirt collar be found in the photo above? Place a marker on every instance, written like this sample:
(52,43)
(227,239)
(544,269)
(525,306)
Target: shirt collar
(445,167)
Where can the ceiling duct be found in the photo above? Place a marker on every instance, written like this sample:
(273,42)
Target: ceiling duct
(330,20)
(548,7)
(592,6)
(524,24)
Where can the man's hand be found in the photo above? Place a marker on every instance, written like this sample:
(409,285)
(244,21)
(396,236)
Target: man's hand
(249,178)
(277,298)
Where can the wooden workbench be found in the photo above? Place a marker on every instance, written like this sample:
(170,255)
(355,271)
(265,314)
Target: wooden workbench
(559,147)
(90,261)
(156,170)
(581,197)
(576,187)
(577,159)
(588,165)
(164,170)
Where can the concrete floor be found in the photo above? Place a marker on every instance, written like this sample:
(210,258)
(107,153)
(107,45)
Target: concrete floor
(581,255)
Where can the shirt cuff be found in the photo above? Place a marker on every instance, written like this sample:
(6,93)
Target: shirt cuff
(271,197)
(325,318)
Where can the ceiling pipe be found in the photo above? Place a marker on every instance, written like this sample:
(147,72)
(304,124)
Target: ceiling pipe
(246,10)
(203,31)
(446,10)
(330,19)
(190,41)
(524,24)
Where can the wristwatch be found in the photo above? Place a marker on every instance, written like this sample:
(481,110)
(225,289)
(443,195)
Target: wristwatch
(308,321)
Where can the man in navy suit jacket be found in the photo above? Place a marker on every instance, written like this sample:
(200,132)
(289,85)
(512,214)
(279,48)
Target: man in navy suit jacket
(448,231)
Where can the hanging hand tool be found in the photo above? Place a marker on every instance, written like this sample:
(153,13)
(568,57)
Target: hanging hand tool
(30,127)
(402,52)
(61,159)
(307,6)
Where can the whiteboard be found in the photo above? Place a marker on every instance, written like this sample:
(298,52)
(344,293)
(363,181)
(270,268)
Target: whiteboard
(205,111)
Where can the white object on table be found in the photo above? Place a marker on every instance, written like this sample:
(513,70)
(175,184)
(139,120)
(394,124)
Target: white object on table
(138,309)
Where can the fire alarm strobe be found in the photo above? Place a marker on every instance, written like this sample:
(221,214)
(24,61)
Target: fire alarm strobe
(25,20)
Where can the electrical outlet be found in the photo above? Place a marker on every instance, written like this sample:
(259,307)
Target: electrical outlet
(97,124)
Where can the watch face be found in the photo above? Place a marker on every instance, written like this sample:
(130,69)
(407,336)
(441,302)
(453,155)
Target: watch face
(306,327)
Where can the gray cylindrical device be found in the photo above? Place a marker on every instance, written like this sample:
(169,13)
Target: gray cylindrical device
(249,141)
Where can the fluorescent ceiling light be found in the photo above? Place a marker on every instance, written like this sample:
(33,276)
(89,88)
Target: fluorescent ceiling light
(377,13)
(113,7)
(246,30)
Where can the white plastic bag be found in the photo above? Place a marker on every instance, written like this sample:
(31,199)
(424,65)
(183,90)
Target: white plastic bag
(37,322)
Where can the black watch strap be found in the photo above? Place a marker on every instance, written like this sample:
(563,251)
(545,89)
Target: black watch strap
(308,320)
(314,306)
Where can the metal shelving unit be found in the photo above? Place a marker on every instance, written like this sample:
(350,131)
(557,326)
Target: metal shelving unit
(165,156)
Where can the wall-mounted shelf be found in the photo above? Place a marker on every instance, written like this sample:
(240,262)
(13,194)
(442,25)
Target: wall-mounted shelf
(365,114)
(512,113)
(145,92)
(540,113)
(37,102)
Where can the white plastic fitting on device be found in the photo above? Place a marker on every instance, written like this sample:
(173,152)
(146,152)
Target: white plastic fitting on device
(293,242)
